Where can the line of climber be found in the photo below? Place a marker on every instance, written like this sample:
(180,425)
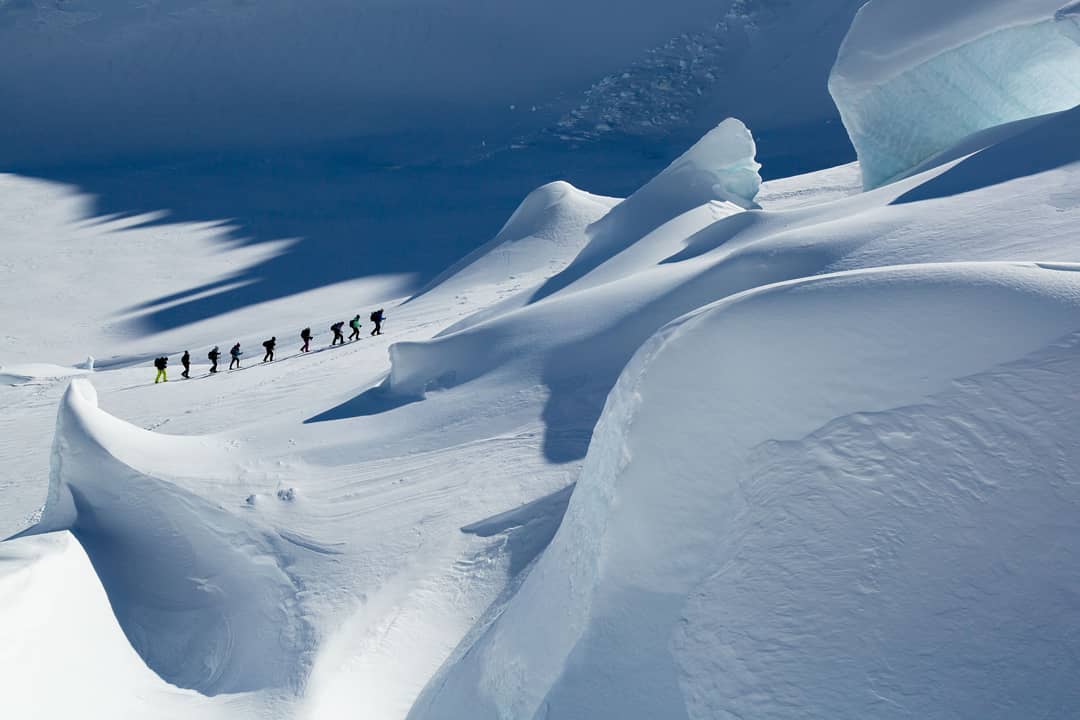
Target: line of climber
(235,353)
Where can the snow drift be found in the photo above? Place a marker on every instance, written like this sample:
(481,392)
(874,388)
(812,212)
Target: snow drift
(574,335)
(39,372)
(717,177)
(841,497)
(542,236)
(913,78)
(720,167)
(199,592)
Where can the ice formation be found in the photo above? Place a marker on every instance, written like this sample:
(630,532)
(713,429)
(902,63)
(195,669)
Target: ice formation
(914,78)
(719,166)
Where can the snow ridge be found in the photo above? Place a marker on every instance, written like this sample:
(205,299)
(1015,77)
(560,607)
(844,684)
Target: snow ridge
(202,596)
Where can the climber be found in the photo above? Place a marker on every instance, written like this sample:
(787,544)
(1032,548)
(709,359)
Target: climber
(377,318)
(235,352)
(213,356)
(269,345)
(355,325)
(160,363)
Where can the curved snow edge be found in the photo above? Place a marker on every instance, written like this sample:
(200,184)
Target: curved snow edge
(666,477)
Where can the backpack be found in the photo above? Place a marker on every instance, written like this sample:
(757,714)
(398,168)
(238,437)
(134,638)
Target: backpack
(336,327)
(305,333)
(212,355)
(375,315)
(268,344)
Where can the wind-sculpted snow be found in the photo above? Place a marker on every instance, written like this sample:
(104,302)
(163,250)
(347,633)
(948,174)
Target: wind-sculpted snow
(844,497)
(199,592)
(581,328)
(912,79)
(542,236)
(720,167)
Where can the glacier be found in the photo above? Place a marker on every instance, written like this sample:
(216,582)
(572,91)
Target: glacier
(914,78)
(715,448)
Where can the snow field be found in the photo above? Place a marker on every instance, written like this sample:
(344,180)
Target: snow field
(712,569)
(822,455)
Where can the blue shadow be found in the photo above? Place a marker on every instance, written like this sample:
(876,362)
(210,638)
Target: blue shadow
(1039,147)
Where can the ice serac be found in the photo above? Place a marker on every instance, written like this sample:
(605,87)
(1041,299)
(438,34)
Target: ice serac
(914,77)
(199,592)
(763,528)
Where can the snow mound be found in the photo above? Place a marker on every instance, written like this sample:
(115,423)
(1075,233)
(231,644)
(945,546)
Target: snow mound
(542,236)
(718,168)
(198,592)
(37,372)
(867,510)
(914,78)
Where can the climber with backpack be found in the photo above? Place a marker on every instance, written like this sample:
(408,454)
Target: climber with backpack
(161,363)
(338,337)
(269,345)
(213,356)
(305,335)
(355,325)
(377,318)
(185,360)
(235,352)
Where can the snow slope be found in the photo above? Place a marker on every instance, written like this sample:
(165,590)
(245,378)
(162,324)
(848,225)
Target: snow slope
(386,516)
(796,494)
(911,80)
(252,152)
(604,623)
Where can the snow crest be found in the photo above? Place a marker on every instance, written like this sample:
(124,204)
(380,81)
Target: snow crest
(914,78)
(199,592)
(726,555)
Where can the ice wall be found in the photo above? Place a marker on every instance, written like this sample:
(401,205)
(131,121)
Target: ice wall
(914,77)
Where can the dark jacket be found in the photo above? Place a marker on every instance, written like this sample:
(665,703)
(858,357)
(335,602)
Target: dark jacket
(161,362)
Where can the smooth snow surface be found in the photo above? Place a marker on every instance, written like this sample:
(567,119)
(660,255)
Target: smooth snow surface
(914,78)
(198,591)
(866,508)
(671,456)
